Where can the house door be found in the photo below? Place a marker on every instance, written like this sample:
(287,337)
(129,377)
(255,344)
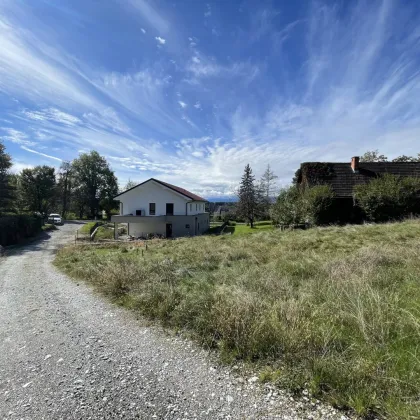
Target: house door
(169,230)
(169,209)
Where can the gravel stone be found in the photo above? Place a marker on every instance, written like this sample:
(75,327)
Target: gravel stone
(67,353)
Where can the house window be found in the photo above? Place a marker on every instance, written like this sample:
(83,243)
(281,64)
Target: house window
(152,209)
(169,209)
(138,212)
(187,226)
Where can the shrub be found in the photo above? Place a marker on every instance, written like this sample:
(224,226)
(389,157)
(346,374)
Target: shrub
(288,209)
(389,197)
(296,205)
(318,206)
(70,216)
(15,228)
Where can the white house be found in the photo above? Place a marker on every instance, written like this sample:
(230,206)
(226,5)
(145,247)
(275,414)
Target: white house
(156,207)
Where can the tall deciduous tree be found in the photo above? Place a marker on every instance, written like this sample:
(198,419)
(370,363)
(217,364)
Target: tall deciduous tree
(268,183)
(268,189)
(404,158)
(6,194)
(249,203)
(65,183)
(130,184)
(96,183)
(373,156)
(38,189)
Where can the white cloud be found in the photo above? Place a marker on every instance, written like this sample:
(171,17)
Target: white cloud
(182,104)
(52,114)
(197,105)
(160,40)
(28,68)
(16,136)
(143,30)
(41,154)
(207,13)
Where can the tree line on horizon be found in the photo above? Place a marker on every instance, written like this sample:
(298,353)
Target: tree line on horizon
(80,188)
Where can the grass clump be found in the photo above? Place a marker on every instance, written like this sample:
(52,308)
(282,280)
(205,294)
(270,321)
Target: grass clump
(48,226)
(86,228)
(334,309)
(104,232)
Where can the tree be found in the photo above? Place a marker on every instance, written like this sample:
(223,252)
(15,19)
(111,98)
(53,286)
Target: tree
(288,208)
(6,193)
(37,188)
(95,183)
(267,187)
(404,158)
(130,184)
(373,156)
(65,186)
(249,204)
(268,183)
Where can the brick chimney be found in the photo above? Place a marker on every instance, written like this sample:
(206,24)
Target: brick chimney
(355,163)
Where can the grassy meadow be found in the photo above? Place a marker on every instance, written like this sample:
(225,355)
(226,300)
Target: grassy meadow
(335,310)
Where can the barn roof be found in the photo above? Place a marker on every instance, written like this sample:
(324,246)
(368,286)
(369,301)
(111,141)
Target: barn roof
(343,179)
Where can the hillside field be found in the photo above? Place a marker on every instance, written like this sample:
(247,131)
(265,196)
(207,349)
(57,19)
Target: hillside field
(335,310)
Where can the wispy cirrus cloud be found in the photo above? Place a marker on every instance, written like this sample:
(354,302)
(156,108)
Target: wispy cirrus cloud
(41,154)
(329,84)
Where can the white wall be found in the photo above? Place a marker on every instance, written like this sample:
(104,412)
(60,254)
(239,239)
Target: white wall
(152,192)
(148,226)
(196,207)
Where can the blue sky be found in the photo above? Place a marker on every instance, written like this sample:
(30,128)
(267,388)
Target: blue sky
(190,92)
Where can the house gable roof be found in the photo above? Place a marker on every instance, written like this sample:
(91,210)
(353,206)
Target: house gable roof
(179,190)
(342,178)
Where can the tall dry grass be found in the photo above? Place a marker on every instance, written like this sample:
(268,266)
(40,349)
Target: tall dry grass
(336,309)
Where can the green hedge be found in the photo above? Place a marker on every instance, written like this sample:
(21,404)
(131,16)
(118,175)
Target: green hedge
(15,228)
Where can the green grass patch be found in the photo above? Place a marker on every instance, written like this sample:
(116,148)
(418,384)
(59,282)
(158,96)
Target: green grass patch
(104,232)
(87,227)
(334,309)
(48,226)
(243,229)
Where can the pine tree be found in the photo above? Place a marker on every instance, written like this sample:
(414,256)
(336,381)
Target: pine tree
(249,198)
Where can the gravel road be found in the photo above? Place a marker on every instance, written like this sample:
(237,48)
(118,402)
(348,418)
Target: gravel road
(66,353)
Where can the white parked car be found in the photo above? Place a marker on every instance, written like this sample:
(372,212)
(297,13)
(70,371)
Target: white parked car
(55,219)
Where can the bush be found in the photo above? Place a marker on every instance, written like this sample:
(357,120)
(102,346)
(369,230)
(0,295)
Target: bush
(70,216)
(296,205)
(15,228)
(389,197)
(318,206)
(288,209)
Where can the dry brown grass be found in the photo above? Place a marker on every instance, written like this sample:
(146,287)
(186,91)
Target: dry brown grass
(337,309)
